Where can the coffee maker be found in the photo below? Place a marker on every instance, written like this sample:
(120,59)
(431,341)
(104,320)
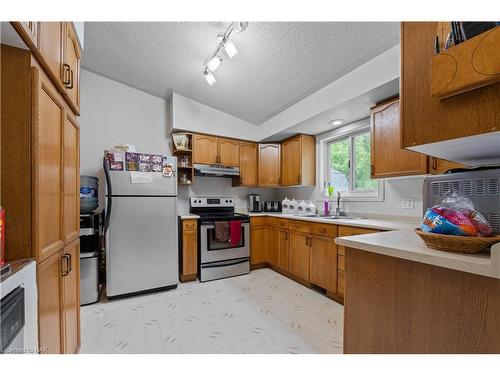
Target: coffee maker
(254,203)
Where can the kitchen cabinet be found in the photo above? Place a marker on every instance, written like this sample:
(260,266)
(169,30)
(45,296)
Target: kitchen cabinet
(51,40)
(71,168)
(188,248)
(298,161)
(248,164)
(269,165)
(71,65)
(48,125)
(272,246)
(70,299)
(228,152)
(258,241)
(28,31)
(205,149)
(388,159)
(323,267)
(283,245)
(440,166)
(49,304)
(426,119)
(300,248)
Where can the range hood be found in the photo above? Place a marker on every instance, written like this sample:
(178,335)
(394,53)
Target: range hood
(215,170)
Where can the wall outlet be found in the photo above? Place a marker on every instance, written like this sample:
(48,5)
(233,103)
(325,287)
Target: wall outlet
(408,203)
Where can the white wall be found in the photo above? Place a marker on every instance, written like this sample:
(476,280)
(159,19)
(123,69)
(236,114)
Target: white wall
(114,113)
(191,115)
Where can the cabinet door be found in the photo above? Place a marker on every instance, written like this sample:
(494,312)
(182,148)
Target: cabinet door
(71,176)
(272,246)
(269,165)
(439,166)
(49,304)
(388,159)
(299,255)
(248,163)
(204,149)
(324,263)
(71,296)
(71,67)
(229,152)
(291,162)
(189,247)
(30,30)
(51,46)
(283,249)
(258,245)
(48,124)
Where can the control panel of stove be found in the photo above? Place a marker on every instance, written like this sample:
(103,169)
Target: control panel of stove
(211,202)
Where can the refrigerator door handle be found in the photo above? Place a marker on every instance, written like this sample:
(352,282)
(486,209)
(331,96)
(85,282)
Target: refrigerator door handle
(110,199)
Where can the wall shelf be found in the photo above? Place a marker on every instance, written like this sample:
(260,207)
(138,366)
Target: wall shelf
(184,173)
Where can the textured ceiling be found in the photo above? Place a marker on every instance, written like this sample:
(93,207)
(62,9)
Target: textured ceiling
(279,63)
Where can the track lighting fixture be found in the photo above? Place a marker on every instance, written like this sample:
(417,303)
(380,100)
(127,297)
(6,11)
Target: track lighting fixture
(223,42)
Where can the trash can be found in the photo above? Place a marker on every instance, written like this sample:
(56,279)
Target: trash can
(89,277)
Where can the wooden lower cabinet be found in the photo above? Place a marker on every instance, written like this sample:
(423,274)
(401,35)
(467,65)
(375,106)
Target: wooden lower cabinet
(323,263)
(49,305)
(188,250)
(272,247)
(258,246)
(58,279)
(283,245)
(71,297)
(300,248)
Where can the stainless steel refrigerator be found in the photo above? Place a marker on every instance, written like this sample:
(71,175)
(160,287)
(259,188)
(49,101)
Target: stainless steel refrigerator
(140,231)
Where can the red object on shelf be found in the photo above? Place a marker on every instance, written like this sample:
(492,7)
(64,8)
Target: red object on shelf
(2,236)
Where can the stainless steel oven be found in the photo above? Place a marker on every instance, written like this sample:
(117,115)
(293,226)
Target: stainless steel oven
(221,258)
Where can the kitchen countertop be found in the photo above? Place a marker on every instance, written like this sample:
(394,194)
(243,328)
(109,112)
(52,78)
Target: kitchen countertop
(188,216)
(406,244)
(385,223)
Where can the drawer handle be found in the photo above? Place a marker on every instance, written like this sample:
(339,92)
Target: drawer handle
(71,79)
(66,69)
(322,230)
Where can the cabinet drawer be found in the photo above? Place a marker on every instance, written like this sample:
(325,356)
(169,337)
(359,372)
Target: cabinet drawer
(340,263)
(282,223)
(258,221)
(299,226)
(324,229)
(340,283)
(271,221)
(353,231)
(189,225)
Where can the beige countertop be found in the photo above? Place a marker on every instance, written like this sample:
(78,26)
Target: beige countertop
(381,223)
(406,244)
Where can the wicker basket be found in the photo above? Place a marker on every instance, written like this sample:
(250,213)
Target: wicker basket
(457,244)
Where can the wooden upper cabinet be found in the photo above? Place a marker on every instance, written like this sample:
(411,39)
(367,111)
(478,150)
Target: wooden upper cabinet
(71,177)
(49,305)
(269,164)
(440,166)
(248,164)
(228,152)
(71,65)
(323,263)
(29,29)
(70,300)
(426,119)
(48,124)
(50,46)
(205,149)
(298,161)
(388,159)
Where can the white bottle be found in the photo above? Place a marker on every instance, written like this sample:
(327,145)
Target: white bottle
(292,207)
(284,205)
(310,208)
(301,207)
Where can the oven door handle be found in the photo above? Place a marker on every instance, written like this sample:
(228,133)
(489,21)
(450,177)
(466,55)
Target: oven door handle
(244,224)
(237,261)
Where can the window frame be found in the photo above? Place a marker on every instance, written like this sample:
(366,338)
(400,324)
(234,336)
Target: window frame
(375,195)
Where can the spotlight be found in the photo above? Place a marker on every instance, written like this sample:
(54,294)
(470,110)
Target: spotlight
(214,63)
(336,122)
(230,49)
(209,77)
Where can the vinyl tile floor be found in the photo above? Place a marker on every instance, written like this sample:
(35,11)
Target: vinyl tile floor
(263,312)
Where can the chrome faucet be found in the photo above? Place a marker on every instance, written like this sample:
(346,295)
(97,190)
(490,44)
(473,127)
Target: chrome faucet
(338,210)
